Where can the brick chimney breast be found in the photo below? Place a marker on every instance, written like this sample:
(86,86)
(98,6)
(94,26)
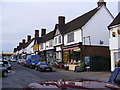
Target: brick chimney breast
(101,3)
(43,31)
(36,33)
(61,20)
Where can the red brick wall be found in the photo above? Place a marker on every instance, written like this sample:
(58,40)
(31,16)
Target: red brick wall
(96,51)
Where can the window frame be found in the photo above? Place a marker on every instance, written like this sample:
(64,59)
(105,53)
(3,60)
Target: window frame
(68,37)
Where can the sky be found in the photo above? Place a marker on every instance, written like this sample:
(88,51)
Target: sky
(20,18)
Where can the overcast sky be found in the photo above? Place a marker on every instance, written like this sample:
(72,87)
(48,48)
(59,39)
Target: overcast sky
(21,18)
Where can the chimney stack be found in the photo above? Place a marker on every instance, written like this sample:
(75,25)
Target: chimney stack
(20,45)
(36,33)
(23,41)
(61,20)
(15,49)
(43,32)
(101,3)
(28,38)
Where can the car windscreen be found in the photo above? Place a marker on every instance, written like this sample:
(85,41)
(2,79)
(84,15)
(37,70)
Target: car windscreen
(34,58)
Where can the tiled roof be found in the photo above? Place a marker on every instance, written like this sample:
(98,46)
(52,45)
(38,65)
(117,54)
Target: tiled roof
(78,22)
(116,21)
(29,42)
(70,26)
(45,38)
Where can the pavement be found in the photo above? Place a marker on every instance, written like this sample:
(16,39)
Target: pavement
(20,77)
(102,76)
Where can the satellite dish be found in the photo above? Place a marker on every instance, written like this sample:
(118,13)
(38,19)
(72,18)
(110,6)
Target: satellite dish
(101,42)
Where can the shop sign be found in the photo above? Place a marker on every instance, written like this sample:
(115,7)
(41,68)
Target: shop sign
(35,47)
(71,48)
(113,34)
(78,49)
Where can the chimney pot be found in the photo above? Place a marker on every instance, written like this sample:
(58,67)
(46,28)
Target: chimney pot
(43,31)
(101,3)
(28,38)
(61,20)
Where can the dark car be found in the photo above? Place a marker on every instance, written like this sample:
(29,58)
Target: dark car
(43,66)
(4,70)
(7,64)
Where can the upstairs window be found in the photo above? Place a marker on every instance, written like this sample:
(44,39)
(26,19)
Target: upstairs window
(59,39)
(70,37)
(42,46)
(50,43)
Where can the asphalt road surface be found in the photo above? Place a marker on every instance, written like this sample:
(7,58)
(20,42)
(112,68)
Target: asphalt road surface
(20,76)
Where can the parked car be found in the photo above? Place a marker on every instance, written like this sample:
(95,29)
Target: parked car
(112,84)
(7,64)
(23,63)
(18,61)
(4,70)
(32,60)
(43,66)
(13,60)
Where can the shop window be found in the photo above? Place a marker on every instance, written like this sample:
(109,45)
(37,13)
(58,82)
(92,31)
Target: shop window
(113,34)
(59,39)
(70,37)
(117,59)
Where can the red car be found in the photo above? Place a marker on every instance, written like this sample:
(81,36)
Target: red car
(73,84)
(23,63)
(113,83)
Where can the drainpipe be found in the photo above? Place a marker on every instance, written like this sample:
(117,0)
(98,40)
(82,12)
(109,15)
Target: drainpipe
(82,48)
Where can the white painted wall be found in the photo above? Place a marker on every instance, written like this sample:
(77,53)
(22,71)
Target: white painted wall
(47,44)
(29,48)
(114,45)
(97,29)
(77,37)
(58,40)
(44,47)
(114,41)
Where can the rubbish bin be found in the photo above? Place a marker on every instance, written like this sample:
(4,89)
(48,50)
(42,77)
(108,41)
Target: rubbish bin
(77,69)
(80,68)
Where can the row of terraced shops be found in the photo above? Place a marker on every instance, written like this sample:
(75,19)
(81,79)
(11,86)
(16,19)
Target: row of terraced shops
(70,43)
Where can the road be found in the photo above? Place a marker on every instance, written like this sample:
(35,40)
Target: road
(20,76)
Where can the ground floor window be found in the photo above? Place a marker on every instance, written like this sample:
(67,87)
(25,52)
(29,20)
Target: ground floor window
(117,59)
(71,55)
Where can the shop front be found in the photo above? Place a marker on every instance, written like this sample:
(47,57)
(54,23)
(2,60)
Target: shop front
(50,56)
(42,55)
(71,56)
(58,54)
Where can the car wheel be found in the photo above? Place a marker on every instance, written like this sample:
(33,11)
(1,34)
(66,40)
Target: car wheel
(40,70)
(5,74)
(50,70)
(31,67)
